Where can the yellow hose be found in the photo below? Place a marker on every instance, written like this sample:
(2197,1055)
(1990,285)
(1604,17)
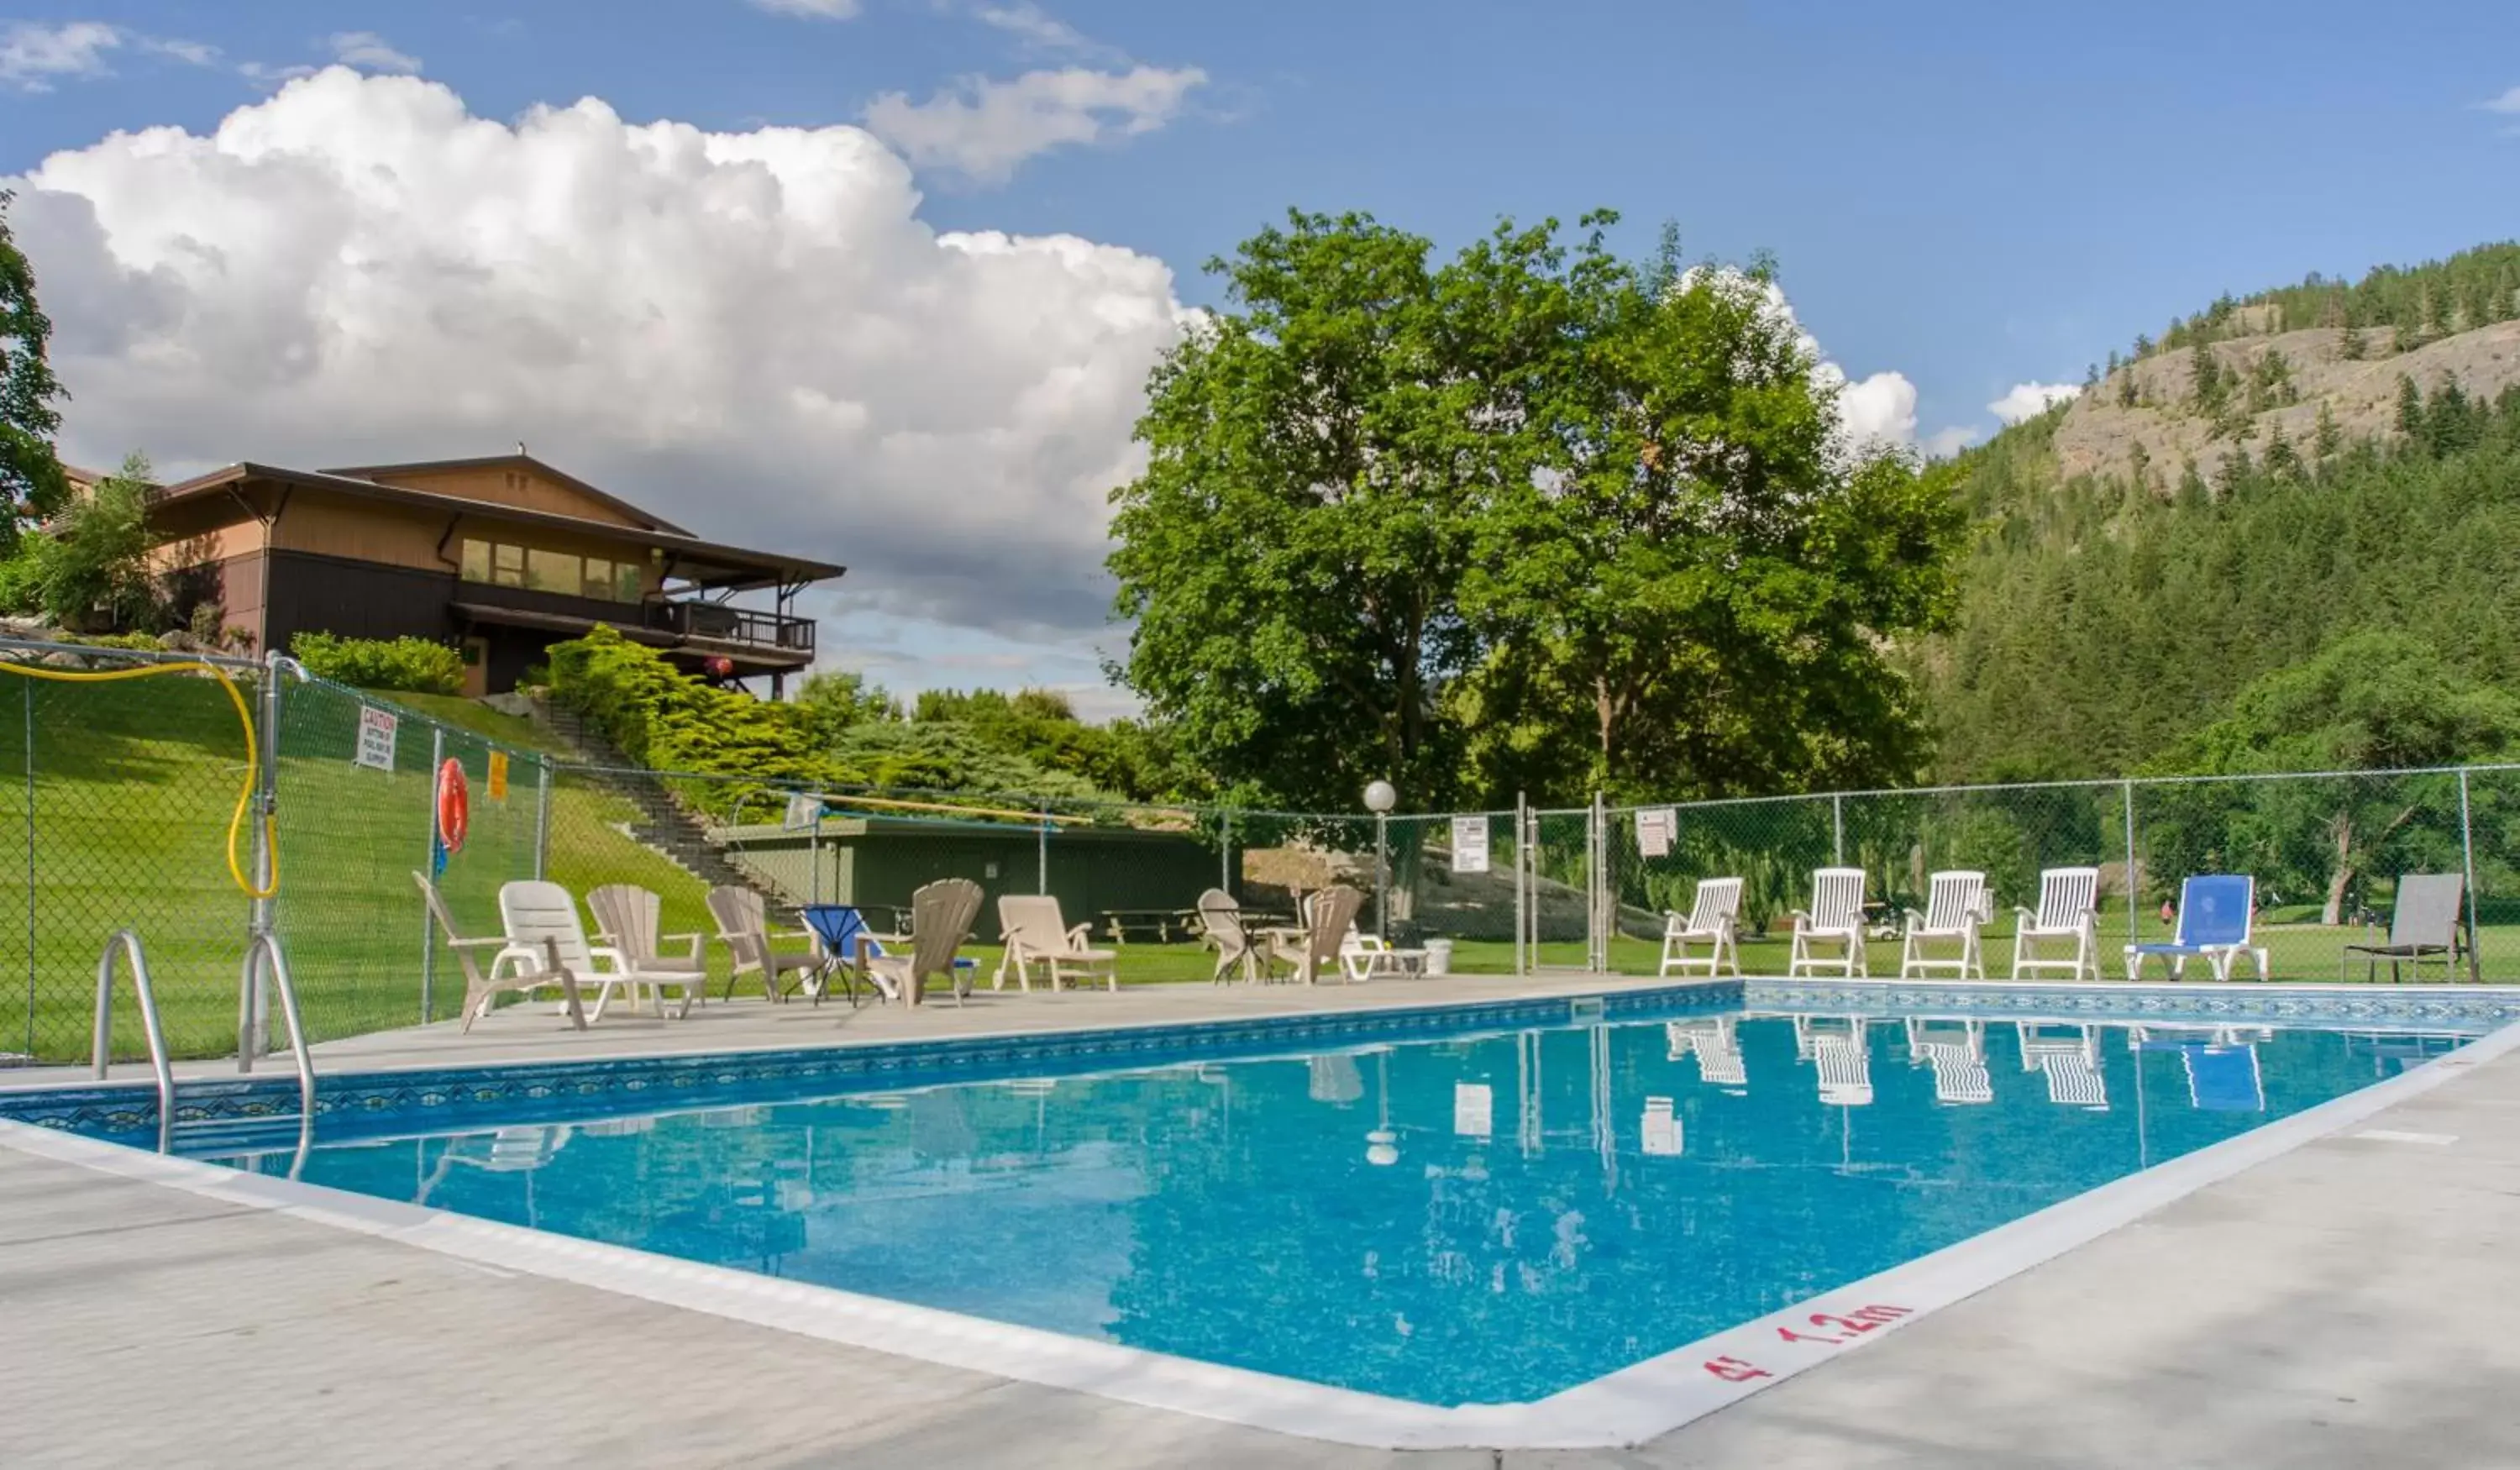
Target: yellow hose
(252,753)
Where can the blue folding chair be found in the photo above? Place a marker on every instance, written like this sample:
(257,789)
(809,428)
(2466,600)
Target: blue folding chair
(2214,911)
(839,926)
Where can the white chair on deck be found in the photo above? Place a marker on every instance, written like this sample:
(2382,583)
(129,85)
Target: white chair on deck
(1956,905)
(546,934)
(1957,1051)
(512,968)
(1713,914)
(2068,910)
(1036,933)
(1835,918)
(629,917)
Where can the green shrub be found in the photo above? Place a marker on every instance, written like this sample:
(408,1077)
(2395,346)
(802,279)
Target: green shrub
(411,664)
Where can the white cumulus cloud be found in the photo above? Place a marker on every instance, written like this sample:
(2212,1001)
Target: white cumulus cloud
(2508,101)
(369,52)
(983,129)
(820,9)
(1876,411)
(33,55)
(2028,400)
(752,333)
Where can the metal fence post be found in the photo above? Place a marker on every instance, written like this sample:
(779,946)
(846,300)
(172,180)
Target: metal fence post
(1596,924)
(2468,865)
(429,866)
(2126,792)
(253,1006)
(1521,922)
(1225,851)
(1382,876)
(542,823)
(29,688)
(1837,828)
(1041,881)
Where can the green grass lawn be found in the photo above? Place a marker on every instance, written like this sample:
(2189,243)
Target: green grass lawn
(126,814)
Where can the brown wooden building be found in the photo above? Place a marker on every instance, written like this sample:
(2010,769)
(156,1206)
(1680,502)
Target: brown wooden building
(502,557)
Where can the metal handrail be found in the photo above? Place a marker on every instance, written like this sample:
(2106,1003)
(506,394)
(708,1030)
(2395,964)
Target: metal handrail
(128,942)
(260,945)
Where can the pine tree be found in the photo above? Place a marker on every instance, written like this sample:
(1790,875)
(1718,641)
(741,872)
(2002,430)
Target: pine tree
(2410,408)
(2127,395)
(2090,376)
(2282,461)
(2349,346)
(2400,339)
(2139,465)
(2204,378)
(2194,493)
(2330,438)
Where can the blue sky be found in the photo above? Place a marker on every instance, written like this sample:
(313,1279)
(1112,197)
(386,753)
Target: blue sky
(1969,195)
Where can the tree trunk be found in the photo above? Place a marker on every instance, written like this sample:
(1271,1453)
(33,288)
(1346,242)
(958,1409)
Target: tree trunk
(2341,827)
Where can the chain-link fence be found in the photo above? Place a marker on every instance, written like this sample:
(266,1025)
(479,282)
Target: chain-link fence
(126,789)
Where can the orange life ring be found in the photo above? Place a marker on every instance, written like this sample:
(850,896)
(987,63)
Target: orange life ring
(454,805)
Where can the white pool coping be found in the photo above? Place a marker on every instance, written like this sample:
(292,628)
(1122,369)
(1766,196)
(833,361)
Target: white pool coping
(1624,1408)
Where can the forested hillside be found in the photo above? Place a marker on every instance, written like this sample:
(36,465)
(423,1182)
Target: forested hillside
(2219,510)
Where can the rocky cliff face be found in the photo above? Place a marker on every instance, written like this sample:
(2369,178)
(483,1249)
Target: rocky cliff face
(2101,435)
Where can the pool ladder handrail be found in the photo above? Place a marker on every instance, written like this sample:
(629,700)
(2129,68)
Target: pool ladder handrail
(127,941)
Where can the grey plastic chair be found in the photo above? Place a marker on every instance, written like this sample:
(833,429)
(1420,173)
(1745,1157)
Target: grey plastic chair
(1222,919)
(2425,921)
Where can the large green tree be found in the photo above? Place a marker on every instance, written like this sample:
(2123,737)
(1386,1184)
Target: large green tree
(89,568)
(32,484)
(1693,594)
(1320,452)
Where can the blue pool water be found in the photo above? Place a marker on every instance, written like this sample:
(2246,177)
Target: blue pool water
(1484,1218)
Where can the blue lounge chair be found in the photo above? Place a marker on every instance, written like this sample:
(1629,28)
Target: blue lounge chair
(2223,1077)
(2213,914)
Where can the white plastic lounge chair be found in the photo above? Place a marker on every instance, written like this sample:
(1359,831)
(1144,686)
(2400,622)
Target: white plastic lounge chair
(1957,1051)
(2214,911)
(2425,921)
(1713,914)
(1332,915)
(1839,1048)
(1835,918)
(1035,933)
(1954,910)
(1473,1110)
(629,917)
(544,930)
(1219,917)
(1660,1130)
(2070,1058)
(2069,899)
(1716,1045)
(744,927)
(523,971)
(941,915)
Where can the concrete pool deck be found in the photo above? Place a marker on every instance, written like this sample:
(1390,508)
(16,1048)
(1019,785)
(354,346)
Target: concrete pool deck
(2337,1304)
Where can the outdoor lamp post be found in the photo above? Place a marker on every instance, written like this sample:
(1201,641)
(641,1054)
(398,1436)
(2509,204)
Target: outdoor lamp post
(1380,800)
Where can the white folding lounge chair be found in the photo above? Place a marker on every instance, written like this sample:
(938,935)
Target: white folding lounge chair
(2068,910)
(1957,1051)
(1841,1052)
(629,917)
(1221,919)
(744,926)
(941,915)
(1712,916)
(544,930)
(1716,1045)
(1035,933)
(2215,913)
(1835,918)
(2070,1058)
(1954,910)
(513,969)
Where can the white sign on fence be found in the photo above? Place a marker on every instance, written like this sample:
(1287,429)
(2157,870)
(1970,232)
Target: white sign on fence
(1656,828)
(1469,844)
(375,738)
(804,809)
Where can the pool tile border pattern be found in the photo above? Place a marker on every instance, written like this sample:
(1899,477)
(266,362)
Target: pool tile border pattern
(1626,1406)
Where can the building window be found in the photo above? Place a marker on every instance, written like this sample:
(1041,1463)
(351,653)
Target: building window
(554,571)
(476,561)
(507,565)
(599,578)
(627,586)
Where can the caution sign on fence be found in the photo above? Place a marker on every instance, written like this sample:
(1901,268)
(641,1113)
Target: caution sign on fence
(375,738)
(498,776)
(1469,844)
(1656,828)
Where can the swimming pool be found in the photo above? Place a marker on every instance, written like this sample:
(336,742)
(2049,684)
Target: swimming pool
(1447,1209)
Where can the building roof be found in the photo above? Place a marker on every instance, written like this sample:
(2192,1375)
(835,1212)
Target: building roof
(517,460)
(705,564)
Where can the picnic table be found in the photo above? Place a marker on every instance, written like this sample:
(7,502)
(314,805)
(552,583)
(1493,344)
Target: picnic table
(1165,924)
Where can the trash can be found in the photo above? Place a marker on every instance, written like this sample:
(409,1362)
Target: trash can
(1439,956)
